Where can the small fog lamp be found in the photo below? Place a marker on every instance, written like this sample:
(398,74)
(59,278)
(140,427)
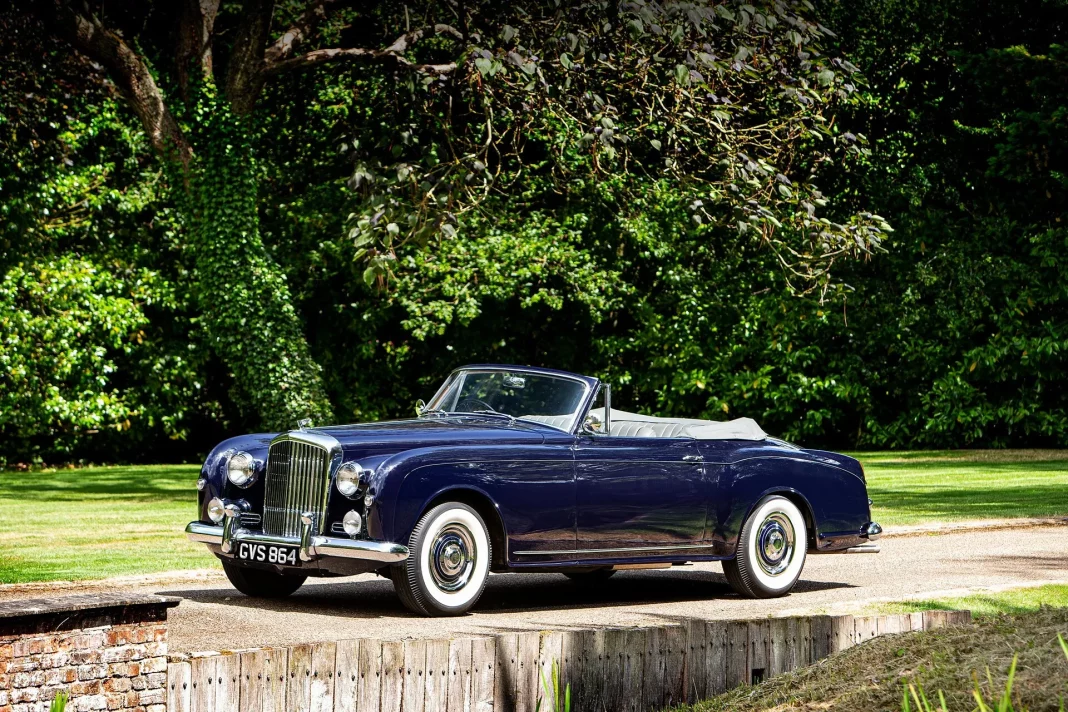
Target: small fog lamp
(241,469)
(368,500)
(216,510)
(348,478)
(352,522)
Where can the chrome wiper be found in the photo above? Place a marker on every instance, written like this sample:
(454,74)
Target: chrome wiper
(511,418)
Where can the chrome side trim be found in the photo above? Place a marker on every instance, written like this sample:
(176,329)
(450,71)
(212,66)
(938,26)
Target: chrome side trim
(676,547)
(318,546)
(862,549)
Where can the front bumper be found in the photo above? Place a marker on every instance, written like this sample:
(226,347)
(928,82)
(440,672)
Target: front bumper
(312,547)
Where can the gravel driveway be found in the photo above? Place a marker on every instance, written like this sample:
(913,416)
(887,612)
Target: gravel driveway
(215,617)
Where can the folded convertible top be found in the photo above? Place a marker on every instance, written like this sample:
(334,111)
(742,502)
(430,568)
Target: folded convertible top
(637,425)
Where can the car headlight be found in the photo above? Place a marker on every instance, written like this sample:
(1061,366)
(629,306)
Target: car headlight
(348,478)
(216,510)
(241,469)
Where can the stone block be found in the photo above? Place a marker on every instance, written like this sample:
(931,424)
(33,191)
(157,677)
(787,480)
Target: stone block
(153,697)
(92,672)
(156,664)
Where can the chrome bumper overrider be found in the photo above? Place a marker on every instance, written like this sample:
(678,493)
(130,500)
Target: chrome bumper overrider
(870,531)
(311,547)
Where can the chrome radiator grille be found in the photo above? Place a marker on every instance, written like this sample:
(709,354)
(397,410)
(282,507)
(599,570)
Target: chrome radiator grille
(296,482)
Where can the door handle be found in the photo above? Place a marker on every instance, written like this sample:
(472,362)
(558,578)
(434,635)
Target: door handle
(693,458)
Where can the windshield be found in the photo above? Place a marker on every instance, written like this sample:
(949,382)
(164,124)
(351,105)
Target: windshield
(551,400)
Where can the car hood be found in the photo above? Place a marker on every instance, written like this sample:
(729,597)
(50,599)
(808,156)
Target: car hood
(424,432)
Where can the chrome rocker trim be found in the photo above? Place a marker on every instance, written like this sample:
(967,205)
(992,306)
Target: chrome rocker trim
(311,547)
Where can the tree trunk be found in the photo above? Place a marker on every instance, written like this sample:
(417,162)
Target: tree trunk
(242,291)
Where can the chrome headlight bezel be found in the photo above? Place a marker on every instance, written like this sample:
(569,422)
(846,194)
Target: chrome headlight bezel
(348,478)
(216,510)
(352,523)
(241,469)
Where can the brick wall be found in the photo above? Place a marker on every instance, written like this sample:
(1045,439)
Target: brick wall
(106,652)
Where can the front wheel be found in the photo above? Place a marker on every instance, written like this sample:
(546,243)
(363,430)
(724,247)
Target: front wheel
(449,562)
(262,584)
(771,550)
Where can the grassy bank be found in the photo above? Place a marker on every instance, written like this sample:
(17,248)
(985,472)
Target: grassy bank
(1014,601)
(97,522)
(873,676)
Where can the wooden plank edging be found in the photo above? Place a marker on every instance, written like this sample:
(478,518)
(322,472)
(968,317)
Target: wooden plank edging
(637,669)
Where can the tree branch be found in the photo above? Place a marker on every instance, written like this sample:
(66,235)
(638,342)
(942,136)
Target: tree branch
(392,54)
(194,40)
(301,30)
(244,73)
(127,70)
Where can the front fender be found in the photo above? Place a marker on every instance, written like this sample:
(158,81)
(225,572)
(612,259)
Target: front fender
(213,472)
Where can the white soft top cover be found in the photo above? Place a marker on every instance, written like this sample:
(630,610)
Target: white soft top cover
(626,424)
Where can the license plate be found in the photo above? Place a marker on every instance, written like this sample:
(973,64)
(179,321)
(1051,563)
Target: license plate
(268,554)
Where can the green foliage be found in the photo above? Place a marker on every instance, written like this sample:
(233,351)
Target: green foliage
(59,702)
(62,323)
(551,685)
(734,113)
(242,292)
(685,203)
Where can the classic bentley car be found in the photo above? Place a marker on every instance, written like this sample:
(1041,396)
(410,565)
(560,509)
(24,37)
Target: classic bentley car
(511,469)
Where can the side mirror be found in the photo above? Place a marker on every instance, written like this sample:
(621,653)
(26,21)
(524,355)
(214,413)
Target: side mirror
(592,425)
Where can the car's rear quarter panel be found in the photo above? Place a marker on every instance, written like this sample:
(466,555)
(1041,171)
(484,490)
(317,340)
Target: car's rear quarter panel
(827,487)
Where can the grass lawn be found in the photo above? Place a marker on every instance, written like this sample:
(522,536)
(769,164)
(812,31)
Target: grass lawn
(917,487)
(1012,601)
(97,522)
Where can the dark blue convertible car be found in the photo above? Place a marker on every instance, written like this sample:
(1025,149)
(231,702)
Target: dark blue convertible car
(512,469)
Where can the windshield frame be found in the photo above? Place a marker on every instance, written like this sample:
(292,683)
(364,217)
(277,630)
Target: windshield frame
(587,384)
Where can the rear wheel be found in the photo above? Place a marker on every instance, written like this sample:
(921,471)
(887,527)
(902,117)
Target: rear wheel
(449,562)
(771,550)
(262,584)
(590,577)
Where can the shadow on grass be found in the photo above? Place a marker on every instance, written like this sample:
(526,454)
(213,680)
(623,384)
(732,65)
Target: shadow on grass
(506,594)
(137,483)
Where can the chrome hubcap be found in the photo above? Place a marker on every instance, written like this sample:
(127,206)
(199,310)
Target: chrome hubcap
(775,543)
(452,557)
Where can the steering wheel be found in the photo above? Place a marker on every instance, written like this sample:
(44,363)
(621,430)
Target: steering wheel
(474,401)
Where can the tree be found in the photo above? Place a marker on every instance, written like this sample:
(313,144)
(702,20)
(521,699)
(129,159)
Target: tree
(198,122)
(718,117)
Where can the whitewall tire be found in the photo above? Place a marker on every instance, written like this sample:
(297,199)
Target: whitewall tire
(771,550)
(449,562)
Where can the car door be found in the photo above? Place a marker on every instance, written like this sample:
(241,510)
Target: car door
(638,495)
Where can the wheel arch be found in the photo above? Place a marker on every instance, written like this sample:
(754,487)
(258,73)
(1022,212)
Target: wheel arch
(486,508)
(799,500)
